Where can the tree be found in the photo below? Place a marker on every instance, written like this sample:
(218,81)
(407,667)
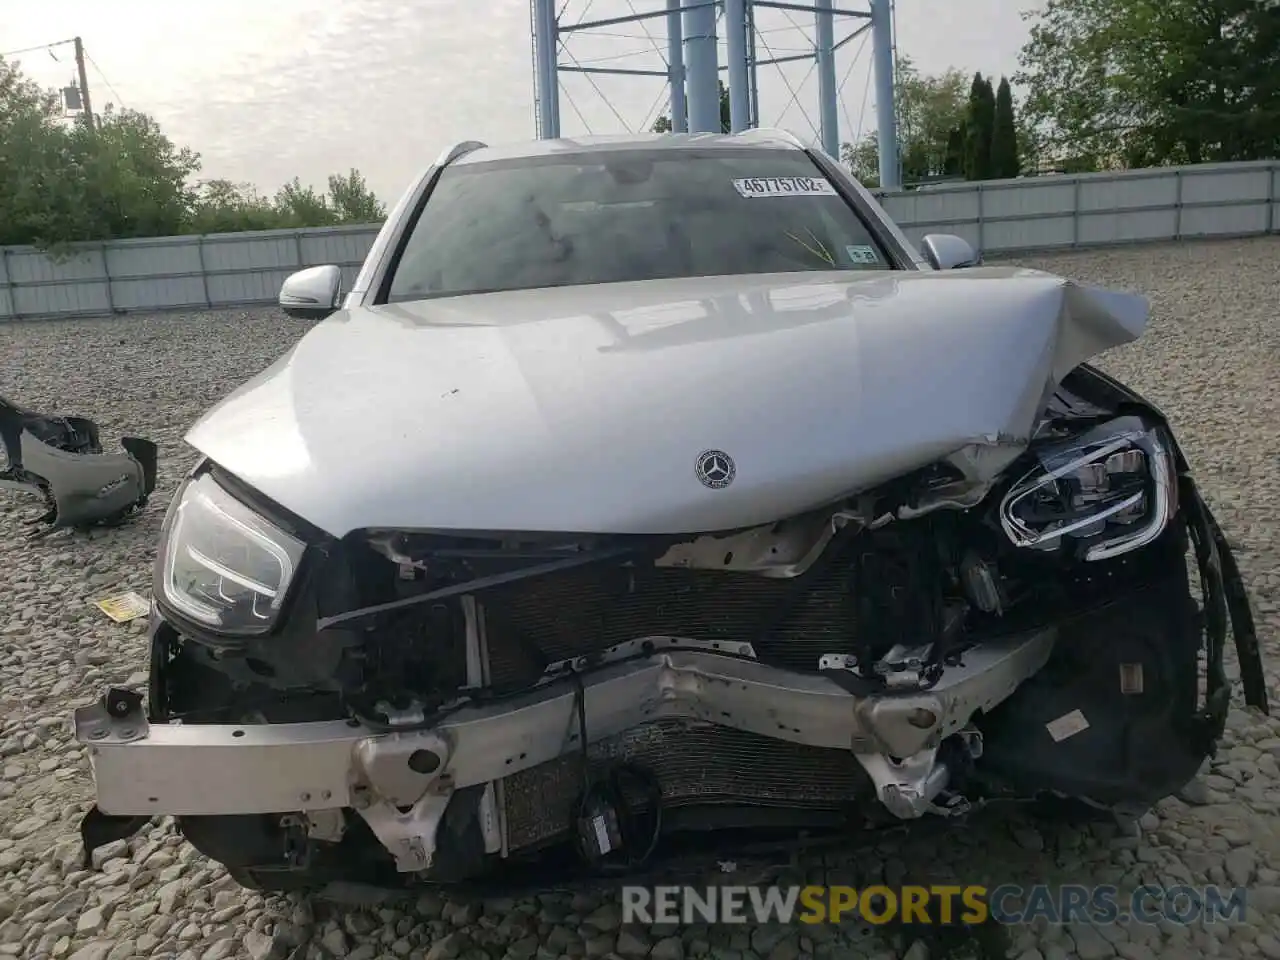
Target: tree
(1150,82)
(1004,136)
(302,206)
(62,182)
(663,123)
(352,199)
(130,177)
(863,159)
(929,110)
(979,121)
(953,165)
(225,207)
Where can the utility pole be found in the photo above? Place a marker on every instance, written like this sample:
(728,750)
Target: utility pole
(84,85)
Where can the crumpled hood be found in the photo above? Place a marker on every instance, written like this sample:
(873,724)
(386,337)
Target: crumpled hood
(586,409)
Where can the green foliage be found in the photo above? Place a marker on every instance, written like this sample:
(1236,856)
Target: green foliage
(1124,83)
(929,109)
(352,200)
(980,124)
(1004,136)
(946,128)
(953,166)
(663,123)
(63,182)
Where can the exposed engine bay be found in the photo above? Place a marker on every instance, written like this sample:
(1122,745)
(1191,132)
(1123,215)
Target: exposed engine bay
(917,649)
(61,460)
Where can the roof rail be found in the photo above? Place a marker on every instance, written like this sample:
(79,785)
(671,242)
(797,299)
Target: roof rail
(460,149)
(772,133)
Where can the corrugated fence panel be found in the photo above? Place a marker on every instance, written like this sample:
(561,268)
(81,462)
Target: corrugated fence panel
(1097,209)
(999,216)
(156,274)
(347,248)
(251,251)
(248,268)
(44,287)
(1127,207)
(1226,201)
(1275,199)
(6,298)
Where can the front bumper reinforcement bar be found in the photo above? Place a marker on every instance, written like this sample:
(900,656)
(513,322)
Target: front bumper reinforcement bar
(144,769)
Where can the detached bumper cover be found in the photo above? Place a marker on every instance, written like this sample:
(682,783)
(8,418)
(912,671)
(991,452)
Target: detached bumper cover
(61,459)
(145,769)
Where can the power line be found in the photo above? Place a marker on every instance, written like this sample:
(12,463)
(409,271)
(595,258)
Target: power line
(98,70)
(655,111)
(866,88)
(645,27)
(615,56)
(42,46)
(795,94)
(844,104)
(596,87)
(568,96)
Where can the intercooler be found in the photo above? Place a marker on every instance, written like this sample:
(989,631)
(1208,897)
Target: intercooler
(790,623)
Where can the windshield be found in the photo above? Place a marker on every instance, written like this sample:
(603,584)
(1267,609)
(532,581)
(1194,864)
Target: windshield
(611,217)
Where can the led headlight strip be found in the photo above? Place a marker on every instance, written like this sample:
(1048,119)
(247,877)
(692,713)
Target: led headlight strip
(1122,448)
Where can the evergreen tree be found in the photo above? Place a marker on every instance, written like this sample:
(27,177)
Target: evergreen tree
(979,126)
(1004,137)
(953,166)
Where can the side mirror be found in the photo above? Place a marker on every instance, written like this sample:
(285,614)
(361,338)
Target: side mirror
(311,294)
(946,251)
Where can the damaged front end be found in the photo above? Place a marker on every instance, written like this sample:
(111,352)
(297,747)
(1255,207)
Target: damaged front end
(61,460)
(395,704)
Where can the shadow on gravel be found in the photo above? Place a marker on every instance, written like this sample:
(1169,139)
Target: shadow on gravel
(745,859)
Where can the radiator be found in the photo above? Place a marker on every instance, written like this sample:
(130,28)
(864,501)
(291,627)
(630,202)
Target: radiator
(791,622)
(697,764)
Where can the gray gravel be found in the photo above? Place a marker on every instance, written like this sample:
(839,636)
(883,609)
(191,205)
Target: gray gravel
(1211,360)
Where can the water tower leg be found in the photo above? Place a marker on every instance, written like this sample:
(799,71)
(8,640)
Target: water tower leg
(886,116)
(702,68)
(735,26)
(827,106)
(675,68)
(545,43)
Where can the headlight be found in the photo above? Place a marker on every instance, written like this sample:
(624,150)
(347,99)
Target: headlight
(221,564)
(1110,491)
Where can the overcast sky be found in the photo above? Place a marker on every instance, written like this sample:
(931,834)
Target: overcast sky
(266,90)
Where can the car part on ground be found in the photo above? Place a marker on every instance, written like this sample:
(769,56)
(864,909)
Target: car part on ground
(912,554)
(61,460)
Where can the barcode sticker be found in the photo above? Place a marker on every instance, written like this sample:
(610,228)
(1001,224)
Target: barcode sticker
(784,187)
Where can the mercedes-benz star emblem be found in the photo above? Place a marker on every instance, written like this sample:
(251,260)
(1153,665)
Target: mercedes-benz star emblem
(715,469)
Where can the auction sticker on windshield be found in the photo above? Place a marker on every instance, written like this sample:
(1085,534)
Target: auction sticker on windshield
(784,187)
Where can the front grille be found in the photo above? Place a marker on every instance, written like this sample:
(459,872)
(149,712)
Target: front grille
(791,622)
(697,763)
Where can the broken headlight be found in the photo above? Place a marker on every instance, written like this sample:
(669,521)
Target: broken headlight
(221,564)
(1106,492)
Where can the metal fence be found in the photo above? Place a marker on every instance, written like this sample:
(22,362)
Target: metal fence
(997,217)
(1097,209)
(167,273)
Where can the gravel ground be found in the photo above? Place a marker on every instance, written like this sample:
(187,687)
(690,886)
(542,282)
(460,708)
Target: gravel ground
(1210,360)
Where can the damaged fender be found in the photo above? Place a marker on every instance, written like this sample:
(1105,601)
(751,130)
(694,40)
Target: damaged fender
(61,459)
